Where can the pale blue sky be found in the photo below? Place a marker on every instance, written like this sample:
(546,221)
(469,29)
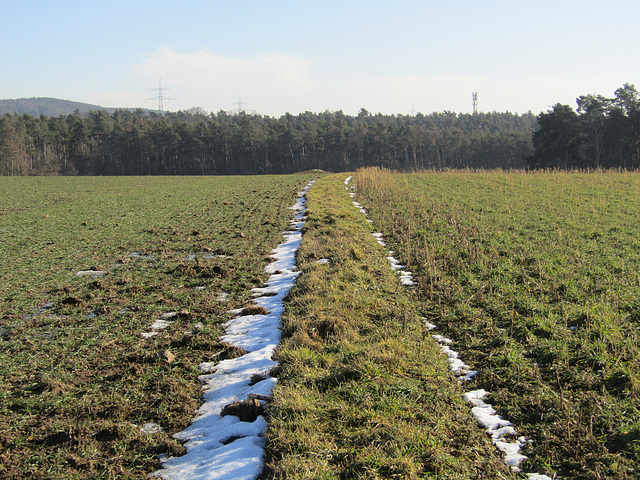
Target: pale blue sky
(279,56)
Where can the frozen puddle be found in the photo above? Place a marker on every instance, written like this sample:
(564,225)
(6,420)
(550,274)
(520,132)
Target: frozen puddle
(225,447)
(484,413)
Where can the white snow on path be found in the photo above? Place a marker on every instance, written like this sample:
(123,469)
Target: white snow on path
(483,412)
(223,447)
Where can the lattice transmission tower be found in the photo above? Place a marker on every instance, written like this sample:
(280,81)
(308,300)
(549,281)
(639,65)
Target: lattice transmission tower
(474,97)
(240,103)
(161,97)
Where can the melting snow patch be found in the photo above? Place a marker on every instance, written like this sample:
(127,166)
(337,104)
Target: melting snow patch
(222,297)
(91,273)
(429,325)
(150,428)
(442,339)
(470,375)
(458,367)
(160,324)
(224,447)
(360,207)
(406,278)
(141,255)
(378,237)
(393,262)
(497,428)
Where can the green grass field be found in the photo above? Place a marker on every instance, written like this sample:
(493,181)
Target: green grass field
(537,279)
(77,378)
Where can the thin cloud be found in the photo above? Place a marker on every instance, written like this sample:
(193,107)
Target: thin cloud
(278,83)
(121,99)
(275,84)
(212,81)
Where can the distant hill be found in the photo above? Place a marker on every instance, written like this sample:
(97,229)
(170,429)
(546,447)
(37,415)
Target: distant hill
(50,107)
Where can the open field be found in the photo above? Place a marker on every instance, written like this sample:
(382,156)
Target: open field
(78,379)
(536,277)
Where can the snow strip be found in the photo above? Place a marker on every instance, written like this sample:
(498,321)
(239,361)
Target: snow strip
(225,448)
(497,428)
(482,412)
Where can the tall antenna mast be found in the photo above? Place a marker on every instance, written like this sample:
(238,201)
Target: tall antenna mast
(474,97)
(160,96)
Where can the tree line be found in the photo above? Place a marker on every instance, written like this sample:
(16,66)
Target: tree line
(193,142)
(600,133)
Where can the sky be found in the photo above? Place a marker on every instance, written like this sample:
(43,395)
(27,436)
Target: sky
(278,56)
